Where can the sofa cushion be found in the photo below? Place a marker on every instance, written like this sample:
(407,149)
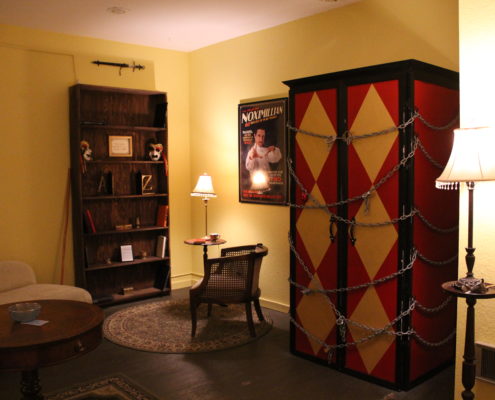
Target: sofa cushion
(45,291)
(14,274)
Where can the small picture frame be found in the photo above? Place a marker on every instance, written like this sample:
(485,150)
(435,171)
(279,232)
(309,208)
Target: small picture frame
(120,146)
(126,253)
(144,183)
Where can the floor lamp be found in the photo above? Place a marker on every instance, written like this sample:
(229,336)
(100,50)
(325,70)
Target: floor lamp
(204,189)
(471,160)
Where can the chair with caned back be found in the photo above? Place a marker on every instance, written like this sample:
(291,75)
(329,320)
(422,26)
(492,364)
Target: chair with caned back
(232,278)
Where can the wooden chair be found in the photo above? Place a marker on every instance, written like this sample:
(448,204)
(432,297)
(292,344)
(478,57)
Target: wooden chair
(230,279)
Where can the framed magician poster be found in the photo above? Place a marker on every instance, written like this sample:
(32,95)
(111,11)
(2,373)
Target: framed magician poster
(262,152)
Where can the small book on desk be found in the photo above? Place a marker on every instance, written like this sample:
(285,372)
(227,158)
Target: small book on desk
(198,241)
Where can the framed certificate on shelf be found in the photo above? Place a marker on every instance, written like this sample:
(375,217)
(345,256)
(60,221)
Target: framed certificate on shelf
(120,146)
(126,253)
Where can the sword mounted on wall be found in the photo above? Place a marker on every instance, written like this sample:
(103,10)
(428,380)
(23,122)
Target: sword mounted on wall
(134,66)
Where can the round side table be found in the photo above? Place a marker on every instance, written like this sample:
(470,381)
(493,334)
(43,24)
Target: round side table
(469,362)
(205,243)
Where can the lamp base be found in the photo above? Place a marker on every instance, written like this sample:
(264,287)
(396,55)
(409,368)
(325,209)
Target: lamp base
(471,284)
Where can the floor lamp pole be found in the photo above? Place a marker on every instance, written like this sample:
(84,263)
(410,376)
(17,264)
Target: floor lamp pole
(205,202)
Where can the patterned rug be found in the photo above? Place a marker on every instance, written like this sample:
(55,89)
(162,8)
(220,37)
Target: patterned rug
(165,327)
(117,387)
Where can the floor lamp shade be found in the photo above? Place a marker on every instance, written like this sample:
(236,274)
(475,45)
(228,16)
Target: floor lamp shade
(471,159)
(204,189)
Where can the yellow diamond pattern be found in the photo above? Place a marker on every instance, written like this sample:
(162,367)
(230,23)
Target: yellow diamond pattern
(316,315)
(370,312)
(313,227)
(314,149)
(373,116)
(374,243)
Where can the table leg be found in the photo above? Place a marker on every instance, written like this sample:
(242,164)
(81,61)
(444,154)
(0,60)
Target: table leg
(30,385)
(469,363)
(205,253)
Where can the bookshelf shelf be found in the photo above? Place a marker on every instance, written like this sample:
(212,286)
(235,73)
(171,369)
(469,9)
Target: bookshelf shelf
(127,231)
(125,196)
(133,295)
(118,264)
(103,127)
(118,187)
(124,162)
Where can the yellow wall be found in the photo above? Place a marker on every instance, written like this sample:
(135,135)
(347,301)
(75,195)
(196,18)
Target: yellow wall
(36,70)
(204,88)
(477,63)
(366,33)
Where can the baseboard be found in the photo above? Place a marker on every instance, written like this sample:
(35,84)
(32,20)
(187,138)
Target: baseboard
(187,280)
(182,281)
(273,305)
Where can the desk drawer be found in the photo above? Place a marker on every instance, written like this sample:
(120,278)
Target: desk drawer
(52,353)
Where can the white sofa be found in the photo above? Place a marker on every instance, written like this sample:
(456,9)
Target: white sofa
(18,284)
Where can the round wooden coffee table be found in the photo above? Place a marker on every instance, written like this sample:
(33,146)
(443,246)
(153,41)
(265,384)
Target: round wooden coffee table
(73,329)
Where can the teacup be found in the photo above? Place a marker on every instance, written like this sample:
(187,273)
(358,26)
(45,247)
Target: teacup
(214,236)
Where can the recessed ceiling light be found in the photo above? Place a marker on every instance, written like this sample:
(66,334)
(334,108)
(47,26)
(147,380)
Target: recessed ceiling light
(118,10)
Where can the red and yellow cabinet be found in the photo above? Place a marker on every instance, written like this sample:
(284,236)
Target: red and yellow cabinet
(371,237)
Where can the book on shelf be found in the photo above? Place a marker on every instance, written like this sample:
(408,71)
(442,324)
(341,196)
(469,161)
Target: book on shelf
(89,224)
(161,245)
(162,215)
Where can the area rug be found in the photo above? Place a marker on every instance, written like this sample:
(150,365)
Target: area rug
(165,327)
(117,387)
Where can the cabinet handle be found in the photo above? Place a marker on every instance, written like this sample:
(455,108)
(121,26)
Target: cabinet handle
(350,231)
(79,347)
(332,223)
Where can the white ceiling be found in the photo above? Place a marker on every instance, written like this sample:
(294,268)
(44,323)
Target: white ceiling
(183,25)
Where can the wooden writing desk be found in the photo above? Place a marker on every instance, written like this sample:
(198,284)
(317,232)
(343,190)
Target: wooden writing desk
(74,328)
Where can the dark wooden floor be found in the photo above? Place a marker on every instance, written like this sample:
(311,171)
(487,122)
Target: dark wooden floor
(264,369)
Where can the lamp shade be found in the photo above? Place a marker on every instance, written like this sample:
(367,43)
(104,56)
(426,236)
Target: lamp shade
(472,158)
(204,187)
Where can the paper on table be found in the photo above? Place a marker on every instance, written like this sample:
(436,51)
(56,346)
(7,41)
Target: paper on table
(36,322)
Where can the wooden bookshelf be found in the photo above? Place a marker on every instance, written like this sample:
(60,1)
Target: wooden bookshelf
(108,190)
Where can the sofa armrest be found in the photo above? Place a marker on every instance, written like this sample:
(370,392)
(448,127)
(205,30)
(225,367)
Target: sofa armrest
(15,274)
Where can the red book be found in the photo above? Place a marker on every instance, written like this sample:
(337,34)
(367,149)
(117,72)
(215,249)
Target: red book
(162,215)
(88,219)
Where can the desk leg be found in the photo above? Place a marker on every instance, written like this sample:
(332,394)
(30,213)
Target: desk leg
(469,363)
(205,253)
(30,385)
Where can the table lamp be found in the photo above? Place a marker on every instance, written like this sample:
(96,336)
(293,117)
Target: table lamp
(204,189)
(471,160)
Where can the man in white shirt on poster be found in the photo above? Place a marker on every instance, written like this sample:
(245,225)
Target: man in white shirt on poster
(259,157)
